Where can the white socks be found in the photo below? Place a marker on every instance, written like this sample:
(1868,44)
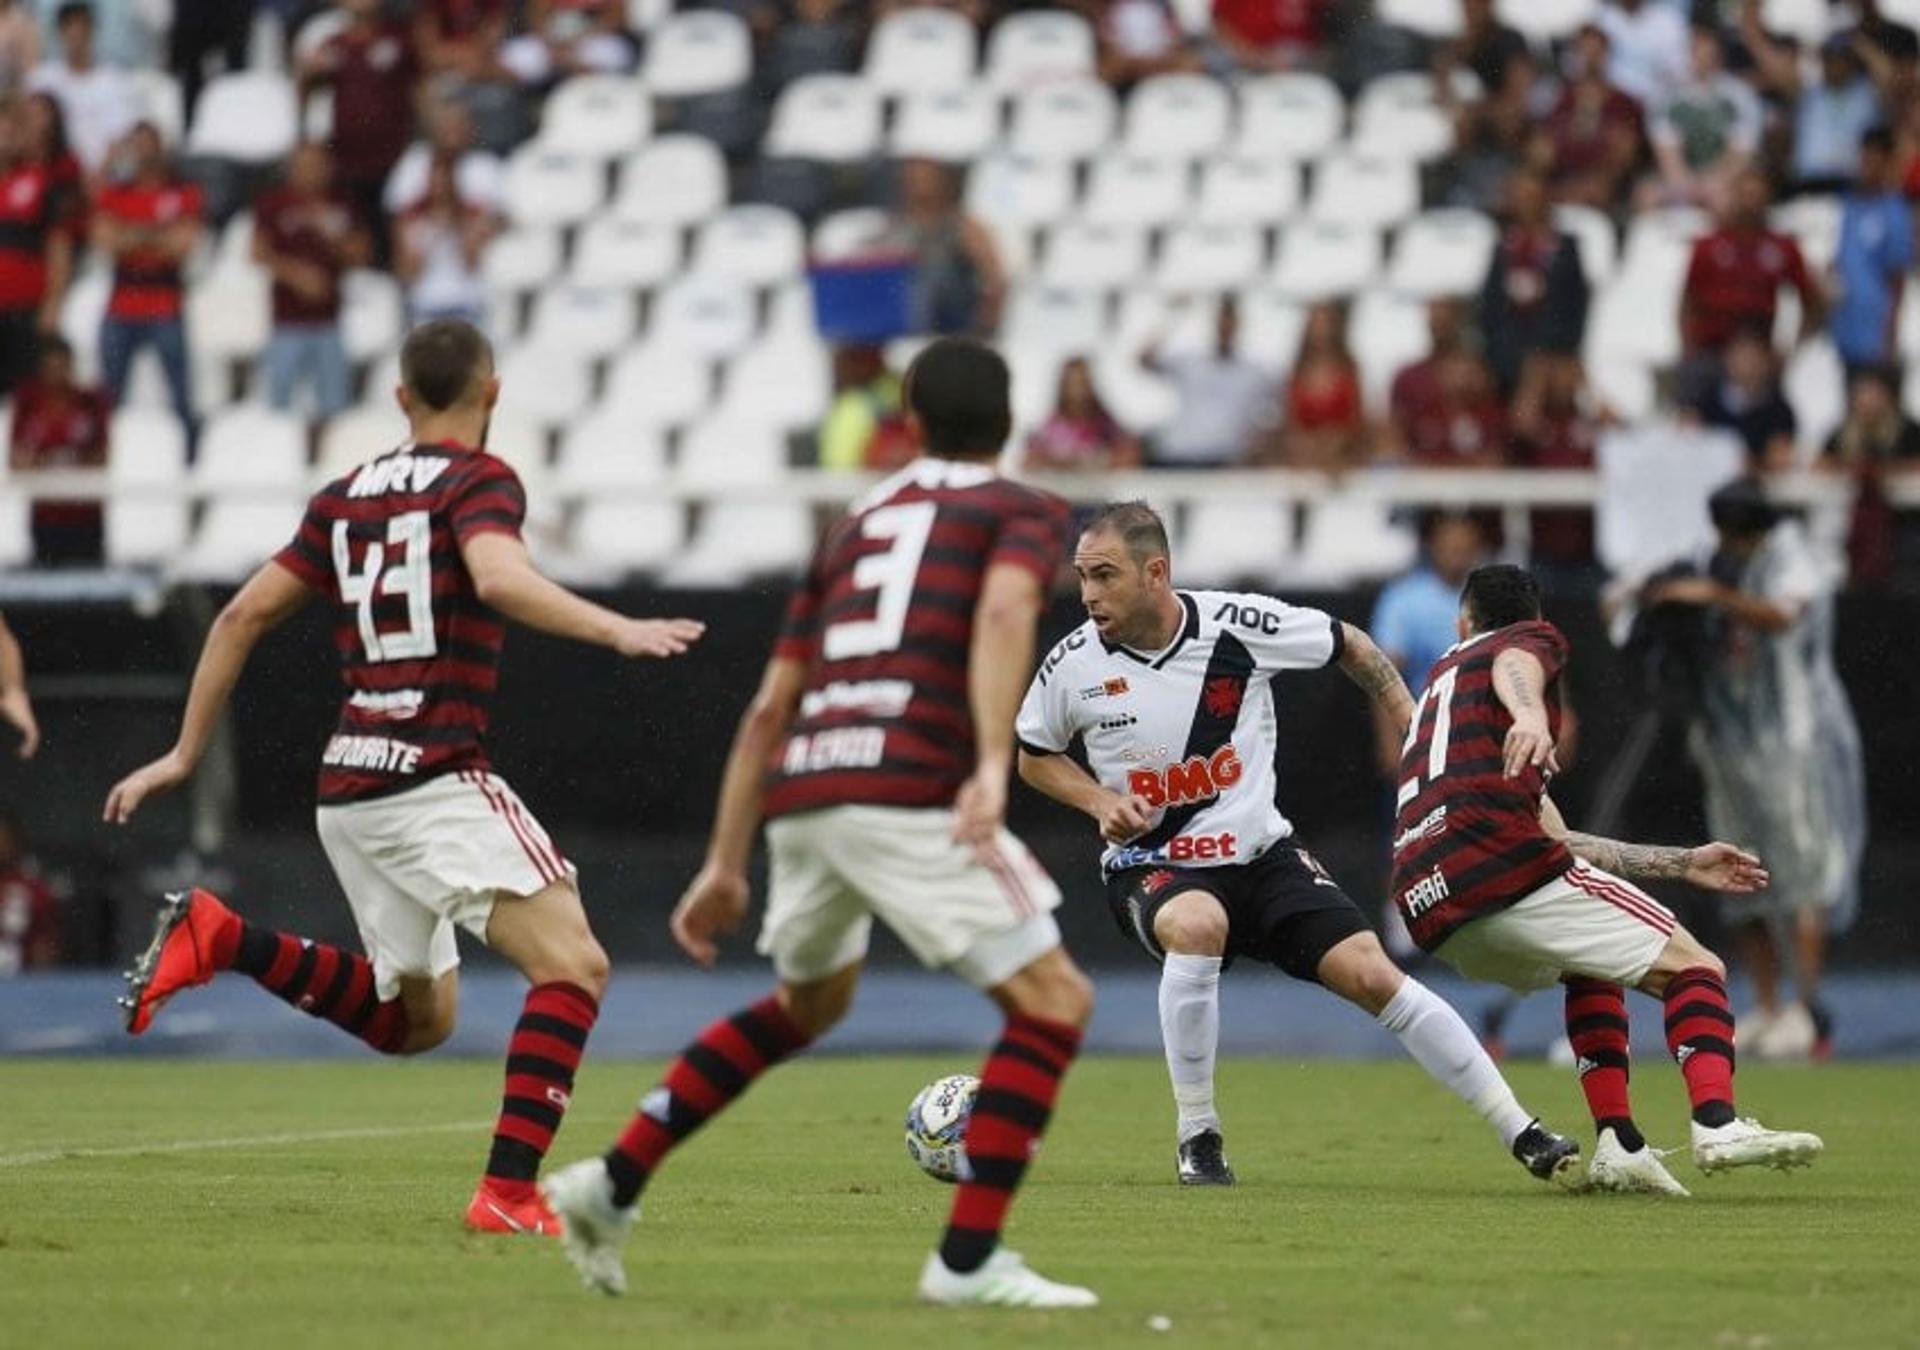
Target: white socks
(1190,1030)
(1445,1046)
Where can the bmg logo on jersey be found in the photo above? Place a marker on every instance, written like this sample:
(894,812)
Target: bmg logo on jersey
(1199,779)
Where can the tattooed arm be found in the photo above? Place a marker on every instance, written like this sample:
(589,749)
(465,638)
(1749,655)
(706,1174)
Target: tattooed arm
(1520,682)
(1712,867)
(1367,666)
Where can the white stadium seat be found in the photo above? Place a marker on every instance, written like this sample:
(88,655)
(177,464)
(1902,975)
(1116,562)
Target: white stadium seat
(655,385)
(698,51)
(545,187)
(831,118)
(754,245)
(1348,539)
(597,116)
(617,253)
(953,125)
(1815,384)
(1429,18)
(604,451)
(236,536)
(1178,116)
(676,180)
(1139,400)
(628,534)
(1242,190)
(1625,387)
(1389,332)
(583,322)
(1593,233)
(1807,22)
(1049,319)
(250,447)
(146,447)
(730,451)
(1318,260)
(522,259)
(708,316)
(1063,120)
(1635,319)
(1020,190)
(543,386)
(783,384)
(1271,325)
(357,435)
(1210,257)
(162,104)
(1443,252)
(850,233)
(373,313)
(16,524)
(1086,255)
(1654,484)
(1350,190)
(1398,117)
(738,540)
(228,314)
(1226,542)
(1034,47)
(1136,190)
(921,50)
(1544,21)
(248,116)
(1294,116)
(1814,222)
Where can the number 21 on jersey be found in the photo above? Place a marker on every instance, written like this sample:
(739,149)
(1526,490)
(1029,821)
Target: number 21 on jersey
(412,533)
(1440,695)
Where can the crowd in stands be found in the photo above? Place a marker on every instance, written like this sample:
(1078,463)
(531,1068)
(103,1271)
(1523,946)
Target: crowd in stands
(1771,153)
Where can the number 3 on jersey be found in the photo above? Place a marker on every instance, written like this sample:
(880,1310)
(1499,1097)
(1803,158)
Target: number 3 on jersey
(891,573)
(412,533)
(1440,695)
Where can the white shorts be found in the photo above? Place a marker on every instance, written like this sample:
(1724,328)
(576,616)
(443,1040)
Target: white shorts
(418,862)
(835,869)
(1587,922)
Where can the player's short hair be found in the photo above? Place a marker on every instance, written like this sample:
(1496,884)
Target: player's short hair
(442,359)
(1139,526)
(1499,594)
(961,392)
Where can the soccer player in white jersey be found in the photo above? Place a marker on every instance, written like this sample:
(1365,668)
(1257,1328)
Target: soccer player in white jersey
(1169,692)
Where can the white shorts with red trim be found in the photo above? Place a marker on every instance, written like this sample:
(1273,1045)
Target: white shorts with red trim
(418,862)
(983,916)
(1587,922)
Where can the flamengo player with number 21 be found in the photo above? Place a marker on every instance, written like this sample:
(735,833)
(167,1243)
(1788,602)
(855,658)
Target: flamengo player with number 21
(420,551)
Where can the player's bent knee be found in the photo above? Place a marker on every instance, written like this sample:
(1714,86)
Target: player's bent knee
(1360,971)
(1683,952)
(818,1006)
(1192,924)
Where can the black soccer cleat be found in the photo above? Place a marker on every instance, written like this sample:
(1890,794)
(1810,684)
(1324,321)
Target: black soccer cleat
(1549,1156)
(1203,1161)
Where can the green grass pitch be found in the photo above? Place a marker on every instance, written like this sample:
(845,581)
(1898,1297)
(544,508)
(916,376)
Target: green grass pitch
(162,1204)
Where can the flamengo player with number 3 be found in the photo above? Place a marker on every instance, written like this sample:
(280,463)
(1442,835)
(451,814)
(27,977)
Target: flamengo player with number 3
(1489,879)
(420,550)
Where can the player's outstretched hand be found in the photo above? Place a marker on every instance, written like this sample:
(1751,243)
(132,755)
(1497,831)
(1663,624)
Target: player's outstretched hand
(713,906)
(658,637)
(1722,867)
(17,709)
(1530,745)
(1122,818)
(168,771)
(979,808)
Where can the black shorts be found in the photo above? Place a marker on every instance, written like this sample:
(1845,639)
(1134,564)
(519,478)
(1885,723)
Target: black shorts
(1282,908)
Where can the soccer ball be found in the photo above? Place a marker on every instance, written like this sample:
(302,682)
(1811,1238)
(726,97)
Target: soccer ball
(937,1126)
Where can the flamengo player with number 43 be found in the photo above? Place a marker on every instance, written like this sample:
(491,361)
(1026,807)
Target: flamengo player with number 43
(420,550)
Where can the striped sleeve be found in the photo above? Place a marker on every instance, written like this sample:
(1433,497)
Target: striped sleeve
(307,554)
(1034,537)
(490,500)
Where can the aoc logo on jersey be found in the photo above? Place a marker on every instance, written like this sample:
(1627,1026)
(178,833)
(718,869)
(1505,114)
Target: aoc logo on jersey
(1198,779)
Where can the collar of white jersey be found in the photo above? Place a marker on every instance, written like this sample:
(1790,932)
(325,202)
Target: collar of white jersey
(1189,625)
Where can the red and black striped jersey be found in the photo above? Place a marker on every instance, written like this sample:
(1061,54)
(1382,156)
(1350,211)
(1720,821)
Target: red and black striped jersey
(1467,839)
(884,621)
(419,653)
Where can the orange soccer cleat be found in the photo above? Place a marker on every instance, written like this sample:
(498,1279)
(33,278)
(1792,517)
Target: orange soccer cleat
(493,1211)
(189,929)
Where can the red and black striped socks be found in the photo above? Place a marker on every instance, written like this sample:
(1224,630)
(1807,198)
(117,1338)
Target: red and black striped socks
(321,981)
(1597,1030)
(1017,1091)
(720,1064)
(1700,1035)
(547,1043)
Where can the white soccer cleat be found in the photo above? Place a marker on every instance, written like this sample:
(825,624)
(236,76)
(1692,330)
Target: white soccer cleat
(1003,1282)
(592,1228)
(1748,1143)
(1640,1172)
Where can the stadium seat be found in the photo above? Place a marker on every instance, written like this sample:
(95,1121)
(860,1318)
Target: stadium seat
(1807,22)
(1388,331)
(1271,325)
(80,317)
(1016,247)
(1178,116)
(1624,386)
(596,117)
(783,384)
(643,16)
(616,253)
(1063,120)
(584,322)
(372,313)
(657,386)
(1035,372)
(317,31)
(1128,189)
(1814,222)
(228,314)
(732,452)
(1088,255)
(848,234)
(1224,542)
(236,536)
(1242,190)
(1397,117)
(1350,538)
(708,316)
(605,453)
(952,125)
(1296,116)
(1139,400)
(1544,21)
(545,187)
(754,245)
(738,540)
(1210,257)
(147,447)
(1594,234)
(522,259)
(1432,19)
(676,180)
(351,438)
(921,49)
(1020,190)
(1443,252)
(1654,484)
(834,119)
(790,315)
(1634,319)
(1351,190)
(248,116)
(1036,47)
(251,446)
(543,386)
(1659,244)
(162,104)
(1815,384)
(1049,319)
(233,242)
(628,534)
(1318,259)
(698,51)
(16,528)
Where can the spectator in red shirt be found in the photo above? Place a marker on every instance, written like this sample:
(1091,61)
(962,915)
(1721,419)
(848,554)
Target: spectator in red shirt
(146,221)
(29,915)
(1272,34)
(58,424)
(47,145)
(1590,143)
(36,255)
(371,68)
(1416,389)
(1534,298)
(1465,425)
(1734,280)
(460,41)
(1325,425)
(1555,428)
(306,236)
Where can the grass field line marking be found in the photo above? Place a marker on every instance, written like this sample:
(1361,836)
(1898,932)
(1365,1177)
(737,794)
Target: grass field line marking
(241,1141)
